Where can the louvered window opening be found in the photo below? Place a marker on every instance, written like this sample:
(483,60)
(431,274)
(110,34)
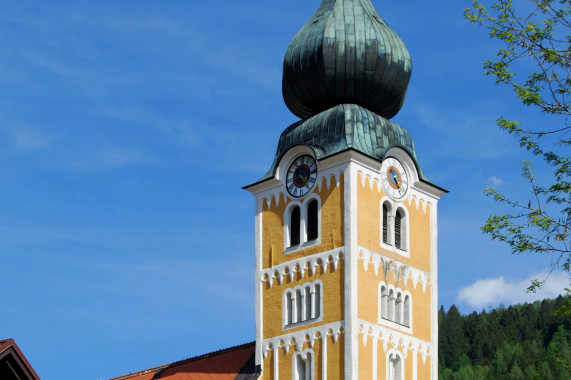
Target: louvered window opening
(295,230)
(385,224)
(312,220)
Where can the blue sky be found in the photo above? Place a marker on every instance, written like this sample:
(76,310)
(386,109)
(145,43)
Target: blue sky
(127,129)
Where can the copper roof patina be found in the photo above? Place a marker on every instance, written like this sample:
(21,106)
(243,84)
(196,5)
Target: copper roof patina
(345,73)
(344,127)
(346,53)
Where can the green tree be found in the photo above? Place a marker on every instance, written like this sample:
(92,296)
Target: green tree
(535,61)
(453,338)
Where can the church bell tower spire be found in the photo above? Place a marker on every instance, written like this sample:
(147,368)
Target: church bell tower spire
(346,220)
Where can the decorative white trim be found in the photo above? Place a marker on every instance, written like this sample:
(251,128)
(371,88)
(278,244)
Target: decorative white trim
(401,271)
(434,295)
(273,194)
(276,361)
(298,338)
(324,359)
(351,301)
(375,360)
(399,340)
(258,282)
(325,260)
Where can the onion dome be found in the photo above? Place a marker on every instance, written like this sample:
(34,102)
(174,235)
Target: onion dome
(346,53)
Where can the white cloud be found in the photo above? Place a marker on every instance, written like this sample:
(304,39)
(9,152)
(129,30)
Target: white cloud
(494,291)
(495,181)
(26,137)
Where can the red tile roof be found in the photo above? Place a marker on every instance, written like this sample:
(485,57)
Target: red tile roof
(228,364)
(13,363)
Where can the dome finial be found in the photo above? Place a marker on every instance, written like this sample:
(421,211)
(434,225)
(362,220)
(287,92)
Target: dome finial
(346,53)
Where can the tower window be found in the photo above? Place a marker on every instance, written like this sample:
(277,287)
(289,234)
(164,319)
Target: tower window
(384,301)
(398,308)
(295,221)
(386,223)
(302,226)
(391,306)
(406,314)
(400,228)
(394,305)
(303,366)
(394,228)
(395,367)
(312,220)
(302,303)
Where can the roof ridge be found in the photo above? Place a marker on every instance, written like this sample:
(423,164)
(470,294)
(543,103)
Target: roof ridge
(210,354)
(184,361)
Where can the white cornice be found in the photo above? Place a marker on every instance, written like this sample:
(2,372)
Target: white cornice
(406,272)
(405,342)
(298,338)
(327,259)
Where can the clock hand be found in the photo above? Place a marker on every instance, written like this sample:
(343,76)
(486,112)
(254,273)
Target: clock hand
(397,181)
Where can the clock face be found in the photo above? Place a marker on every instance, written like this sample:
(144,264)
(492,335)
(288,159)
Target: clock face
(301,176)
(394,178)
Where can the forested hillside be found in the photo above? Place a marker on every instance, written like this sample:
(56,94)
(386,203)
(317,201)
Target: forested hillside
(524,341)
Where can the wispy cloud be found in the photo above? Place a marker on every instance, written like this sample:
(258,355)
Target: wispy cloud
(27,137)
(495,291)
(495,181)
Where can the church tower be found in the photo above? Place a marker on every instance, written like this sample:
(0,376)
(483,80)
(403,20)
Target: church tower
(346,221)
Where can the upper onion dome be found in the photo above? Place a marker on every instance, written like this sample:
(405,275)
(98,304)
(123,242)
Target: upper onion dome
(346,53)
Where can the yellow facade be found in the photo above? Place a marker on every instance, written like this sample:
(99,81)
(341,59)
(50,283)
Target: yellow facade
(331,194)
(377,340)
(369,219)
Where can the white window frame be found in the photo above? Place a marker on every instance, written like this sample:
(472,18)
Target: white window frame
(309,372)
(303,208)
(391,354)
(311,310)
(405,232)
(384,316)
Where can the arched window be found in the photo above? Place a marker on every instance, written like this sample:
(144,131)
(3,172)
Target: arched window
(395,305)
(298,304)
(315,301)
(302,303)
(384,301)
(312,226)
(306,312)
(394,226)
(399,228)
(386,210)
(301,223)
(391,307)
(406,316)
(302,366)
(294,226)
(398,308)
(288,308)
(395,367)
